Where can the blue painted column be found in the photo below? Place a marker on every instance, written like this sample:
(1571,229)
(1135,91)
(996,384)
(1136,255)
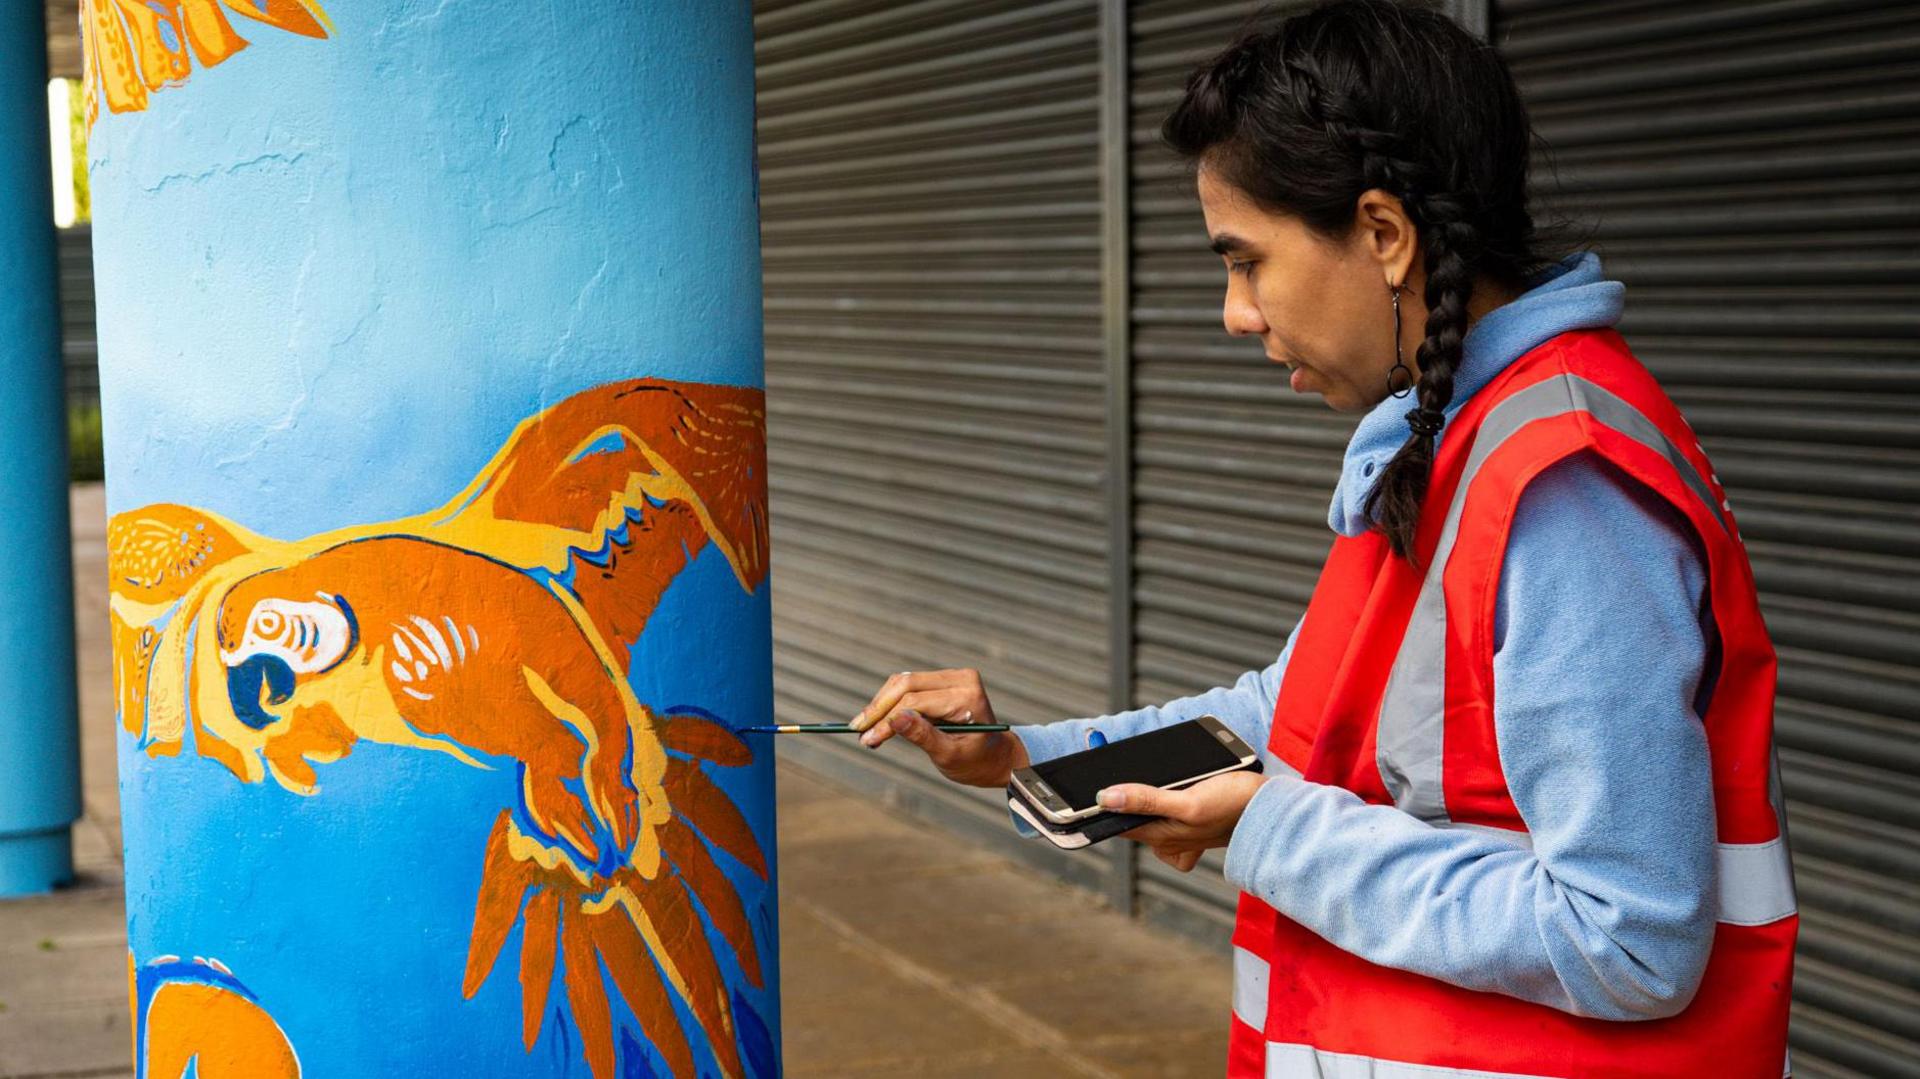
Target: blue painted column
(432,386)
(39,732)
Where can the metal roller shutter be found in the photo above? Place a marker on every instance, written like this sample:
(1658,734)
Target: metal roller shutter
(1231,471)
(930,203)
(1760,205)
(79,350)
(943,415)
(1752,170)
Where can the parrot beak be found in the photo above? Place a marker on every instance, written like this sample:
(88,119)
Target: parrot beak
(245,682)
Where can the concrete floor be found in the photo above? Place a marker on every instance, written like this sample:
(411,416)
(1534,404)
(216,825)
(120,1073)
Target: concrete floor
(879,977)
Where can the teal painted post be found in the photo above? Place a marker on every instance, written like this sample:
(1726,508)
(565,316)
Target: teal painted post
(39,730)
(431,374)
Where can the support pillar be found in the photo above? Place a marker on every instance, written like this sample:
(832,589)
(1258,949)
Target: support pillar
(39,729)
(431,376)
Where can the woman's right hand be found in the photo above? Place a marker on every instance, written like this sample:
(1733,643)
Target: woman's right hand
(911,702)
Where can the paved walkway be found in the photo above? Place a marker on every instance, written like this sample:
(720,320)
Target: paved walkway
(902,951)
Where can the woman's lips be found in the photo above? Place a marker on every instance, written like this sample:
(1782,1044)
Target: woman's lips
(1297,373)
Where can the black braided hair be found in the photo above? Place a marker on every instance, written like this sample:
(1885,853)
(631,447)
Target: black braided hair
(1305,114)
(1448,237)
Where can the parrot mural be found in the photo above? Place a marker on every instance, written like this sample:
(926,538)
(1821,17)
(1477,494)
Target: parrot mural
(495,630)
(136,47)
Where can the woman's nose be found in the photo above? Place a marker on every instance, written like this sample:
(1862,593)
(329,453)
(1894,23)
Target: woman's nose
(1240,314)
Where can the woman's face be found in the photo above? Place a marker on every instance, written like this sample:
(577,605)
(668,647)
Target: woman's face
(1322,307)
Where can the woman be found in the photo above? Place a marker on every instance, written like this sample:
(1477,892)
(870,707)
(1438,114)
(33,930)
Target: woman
(1519,815)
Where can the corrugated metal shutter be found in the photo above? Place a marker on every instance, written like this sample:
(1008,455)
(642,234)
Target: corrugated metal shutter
(931,235)
(1231,471)
(63,39)
(933,241)
(79,350)
(1753,170)
(1761,207)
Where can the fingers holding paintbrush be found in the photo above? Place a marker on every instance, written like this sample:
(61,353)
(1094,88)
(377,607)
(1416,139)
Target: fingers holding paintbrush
(841,728)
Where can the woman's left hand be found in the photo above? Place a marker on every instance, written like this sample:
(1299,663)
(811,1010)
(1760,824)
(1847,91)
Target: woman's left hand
(1198,818)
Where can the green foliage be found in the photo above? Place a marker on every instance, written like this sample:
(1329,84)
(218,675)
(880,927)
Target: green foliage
(86,459)
(77,146)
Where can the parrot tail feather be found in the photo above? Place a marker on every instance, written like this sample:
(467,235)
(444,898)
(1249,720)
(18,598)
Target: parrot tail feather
(623,951)
(538,945)
(703,738)
(667,917)
(645,935)
(504,882)
(702,877)
(587,997)
(700,802)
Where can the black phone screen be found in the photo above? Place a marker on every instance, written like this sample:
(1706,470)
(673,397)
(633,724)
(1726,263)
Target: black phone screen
(1157,758)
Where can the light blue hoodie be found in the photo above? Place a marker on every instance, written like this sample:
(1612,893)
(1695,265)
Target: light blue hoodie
(1610,911)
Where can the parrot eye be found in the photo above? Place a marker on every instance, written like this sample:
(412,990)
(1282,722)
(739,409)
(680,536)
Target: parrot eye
(307,637)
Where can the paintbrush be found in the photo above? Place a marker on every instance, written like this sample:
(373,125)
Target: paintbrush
(841,728)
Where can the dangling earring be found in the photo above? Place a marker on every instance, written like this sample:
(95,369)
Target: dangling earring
(1400,380)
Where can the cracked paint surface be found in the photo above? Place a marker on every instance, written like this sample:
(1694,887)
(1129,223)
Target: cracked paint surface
(333,277)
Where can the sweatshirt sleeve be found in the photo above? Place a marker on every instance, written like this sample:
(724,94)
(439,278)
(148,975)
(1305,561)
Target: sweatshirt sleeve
(1601,639)
(1246,707)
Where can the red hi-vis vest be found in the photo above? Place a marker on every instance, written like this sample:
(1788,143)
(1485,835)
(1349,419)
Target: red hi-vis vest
(1389,694)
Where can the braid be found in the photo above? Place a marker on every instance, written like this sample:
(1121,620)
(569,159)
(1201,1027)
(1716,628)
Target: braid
(1308,112)
(1449,238)
(1382,161)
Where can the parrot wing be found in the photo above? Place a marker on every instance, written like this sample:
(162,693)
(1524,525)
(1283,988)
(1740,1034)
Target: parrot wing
(160,561)
(615,488)
(157,552)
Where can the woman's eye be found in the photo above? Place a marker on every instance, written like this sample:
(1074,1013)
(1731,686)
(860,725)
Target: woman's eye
(1240,266)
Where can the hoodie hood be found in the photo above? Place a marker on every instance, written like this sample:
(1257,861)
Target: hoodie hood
(1574,294)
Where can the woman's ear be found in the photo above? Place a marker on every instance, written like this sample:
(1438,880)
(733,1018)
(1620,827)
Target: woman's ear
(1387,235)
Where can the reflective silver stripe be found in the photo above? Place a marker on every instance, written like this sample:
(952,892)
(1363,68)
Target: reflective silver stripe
(1756,882)
(1613,411)
(1410,748)
(1755,879)
(1250,988)
(1286,1060)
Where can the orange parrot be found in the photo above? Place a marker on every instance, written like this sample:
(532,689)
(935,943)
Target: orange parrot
(495,630)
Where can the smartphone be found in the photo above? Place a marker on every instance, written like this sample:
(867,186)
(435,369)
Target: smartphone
(1063,789)
(1063,840)
(1080,834)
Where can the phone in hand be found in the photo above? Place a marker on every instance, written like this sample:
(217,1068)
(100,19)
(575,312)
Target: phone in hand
(1064,838)
(1062,790)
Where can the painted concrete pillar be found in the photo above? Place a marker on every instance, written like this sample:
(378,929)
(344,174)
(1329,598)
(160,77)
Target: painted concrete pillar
(431,365)
(39,733)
